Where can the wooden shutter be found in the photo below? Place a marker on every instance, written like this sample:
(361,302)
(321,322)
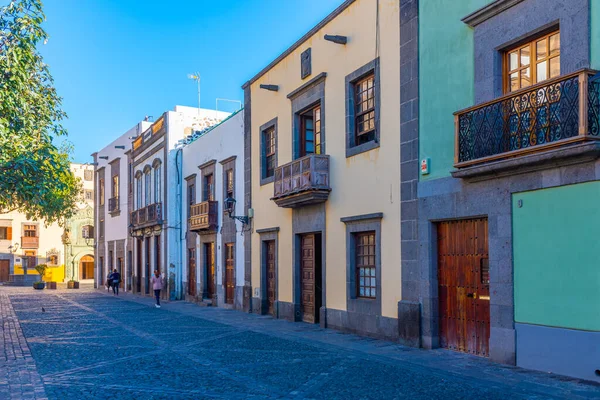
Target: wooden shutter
(9,233)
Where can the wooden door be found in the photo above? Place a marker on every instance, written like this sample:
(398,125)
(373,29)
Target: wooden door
(192,272)
(270,256)
(210,269)
(229,273)
(149,273)
(138,273)
(307,273)
(464,286)
(4,270)
(120,264)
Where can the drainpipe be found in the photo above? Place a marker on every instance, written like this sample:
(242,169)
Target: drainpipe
(179,267)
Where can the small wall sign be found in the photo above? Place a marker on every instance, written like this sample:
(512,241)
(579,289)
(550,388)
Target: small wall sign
(425,166)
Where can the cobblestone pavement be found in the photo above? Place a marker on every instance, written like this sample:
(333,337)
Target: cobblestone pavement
(89,345)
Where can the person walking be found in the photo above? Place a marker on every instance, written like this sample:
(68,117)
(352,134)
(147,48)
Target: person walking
(116,280)
(109,280)
(157,285)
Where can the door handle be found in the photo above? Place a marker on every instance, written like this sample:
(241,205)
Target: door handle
(471,295)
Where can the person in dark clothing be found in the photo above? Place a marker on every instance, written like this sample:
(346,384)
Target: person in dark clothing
(116,280)
(109,281)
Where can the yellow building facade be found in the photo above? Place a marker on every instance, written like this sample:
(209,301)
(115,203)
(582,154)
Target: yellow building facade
(323,174)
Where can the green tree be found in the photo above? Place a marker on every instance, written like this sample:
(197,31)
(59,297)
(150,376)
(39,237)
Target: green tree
(35,175)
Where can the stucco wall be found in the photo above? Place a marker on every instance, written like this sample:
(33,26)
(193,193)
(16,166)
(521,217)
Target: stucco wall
(224,141)
(555,243)
(362,184)
(446,68)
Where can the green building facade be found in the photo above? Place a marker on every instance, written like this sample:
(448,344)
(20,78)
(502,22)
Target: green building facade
(507,129)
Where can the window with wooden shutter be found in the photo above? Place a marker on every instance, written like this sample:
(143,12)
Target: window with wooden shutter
(3,233)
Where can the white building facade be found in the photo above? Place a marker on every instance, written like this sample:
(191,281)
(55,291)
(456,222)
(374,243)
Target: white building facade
(155,217)
(213,252)
(114,247)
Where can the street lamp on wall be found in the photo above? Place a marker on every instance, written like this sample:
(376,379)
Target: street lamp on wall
(230,208)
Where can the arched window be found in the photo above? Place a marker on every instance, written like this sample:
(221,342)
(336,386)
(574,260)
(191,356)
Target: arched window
(138,192)
(157,172)
(148,187)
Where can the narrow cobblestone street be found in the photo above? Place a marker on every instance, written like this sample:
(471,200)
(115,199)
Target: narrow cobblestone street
(89,345)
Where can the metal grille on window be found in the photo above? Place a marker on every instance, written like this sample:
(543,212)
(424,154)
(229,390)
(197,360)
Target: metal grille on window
(365,265)
(365,110)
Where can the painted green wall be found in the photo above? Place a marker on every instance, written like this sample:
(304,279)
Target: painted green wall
(595,36)
(446,69)
(556,245)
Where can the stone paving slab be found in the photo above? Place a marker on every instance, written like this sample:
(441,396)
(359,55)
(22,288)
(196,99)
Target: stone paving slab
(88,344)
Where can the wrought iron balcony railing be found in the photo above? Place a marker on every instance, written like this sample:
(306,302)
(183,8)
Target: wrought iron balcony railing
(113,204)
(30,242)
(204,216)
(552,113)
(147,216)
(303,181)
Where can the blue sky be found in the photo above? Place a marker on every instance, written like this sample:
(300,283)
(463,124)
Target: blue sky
(115,61)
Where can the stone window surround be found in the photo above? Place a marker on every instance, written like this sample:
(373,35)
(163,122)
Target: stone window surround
(268,234)
(358,224)
(304,98)
(189,181)
(271,124)
(517,21)
(371,67)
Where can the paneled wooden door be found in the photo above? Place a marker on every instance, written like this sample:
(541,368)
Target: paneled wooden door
(192,272)
(4,270)
(138,266)
(270,256)
(209,251)
(229,273)
(307,282)
(464,285)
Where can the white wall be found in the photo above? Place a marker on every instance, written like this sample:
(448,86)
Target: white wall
(223,141)
(115,226)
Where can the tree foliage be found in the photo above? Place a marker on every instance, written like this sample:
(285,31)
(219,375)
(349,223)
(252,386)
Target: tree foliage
(35,175)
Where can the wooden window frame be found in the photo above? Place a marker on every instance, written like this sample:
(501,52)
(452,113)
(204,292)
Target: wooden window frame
(208,189)
(101,190)
(359,113)
(361,267)
(115,186)
(147,188)
(269,151)
(157,183)
(5,235)
(313,113)
(26,230)
(531,43)
(229,183)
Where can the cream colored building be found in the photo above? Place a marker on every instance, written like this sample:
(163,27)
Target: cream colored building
(27,242)
(323,174)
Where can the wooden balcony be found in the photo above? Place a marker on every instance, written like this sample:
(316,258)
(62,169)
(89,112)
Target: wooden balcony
(204,216)
(113,205)
(30,242)
(554,113)
(147,216)
(302,182)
